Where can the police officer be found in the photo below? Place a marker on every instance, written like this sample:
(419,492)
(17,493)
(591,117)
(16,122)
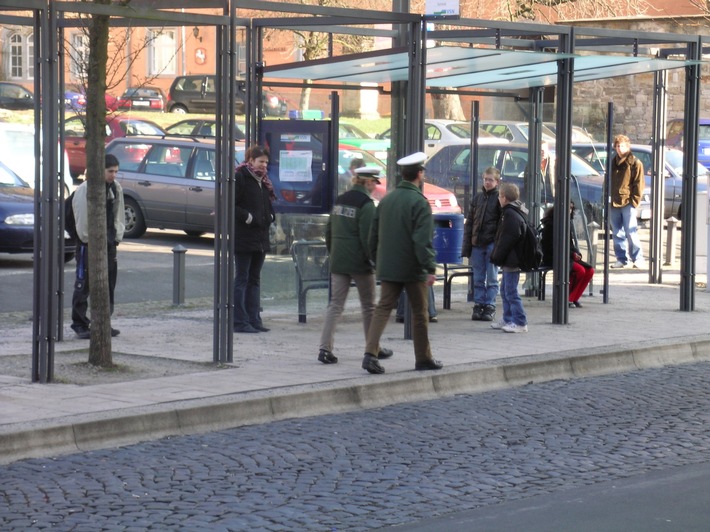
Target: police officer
(346,237)
(401,244)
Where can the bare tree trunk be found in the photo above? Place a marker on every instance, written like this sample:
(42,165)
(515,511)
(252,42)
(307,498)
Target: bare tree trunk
(447,107)
(100,344)
(305,98)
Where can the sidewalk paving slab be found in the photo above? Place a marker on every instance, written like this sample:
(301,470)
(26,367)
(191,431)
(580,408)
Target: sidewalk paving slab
(276,375)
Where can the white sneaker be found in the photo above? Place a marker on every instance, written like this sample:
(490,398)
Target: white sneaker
(618,264)
(498,324)
(640,264)
(514,328)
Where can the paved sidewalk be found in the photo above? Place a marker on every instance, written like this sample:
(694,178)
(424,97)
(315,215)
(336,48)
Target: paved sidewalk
(276,375)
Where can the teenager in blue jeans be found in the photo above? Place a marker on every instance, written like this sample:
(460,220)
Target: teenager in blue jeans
(506,250)
(478,237)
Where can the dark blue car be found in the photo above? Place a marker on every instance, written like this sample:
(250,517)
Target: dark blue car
(17,216)
(449,168)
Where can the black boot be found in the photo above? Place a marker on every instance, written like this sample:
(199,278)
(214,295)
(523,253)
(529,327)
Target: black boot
(489,313)
(477,312)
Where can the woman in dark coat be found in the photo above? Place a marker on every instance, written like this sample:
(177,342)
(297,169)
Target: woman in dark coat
(254,213)
(580,273)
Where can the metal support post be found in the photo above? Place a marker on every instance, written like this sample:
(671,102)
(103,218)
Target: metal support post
(593,230)
(671,224)
(179,274)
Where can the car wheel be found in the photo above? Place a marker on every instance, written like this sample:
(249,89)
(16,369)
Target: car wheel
(68,256)
(194,233)
(135,222)
(179,109)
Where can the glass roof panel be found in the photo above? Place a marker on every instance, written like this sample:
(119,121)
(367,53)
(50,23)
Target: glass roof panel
(452,66)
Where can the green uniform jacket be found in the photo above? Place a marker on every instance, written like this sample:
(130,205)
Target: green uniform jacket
(402,231)
(348,230)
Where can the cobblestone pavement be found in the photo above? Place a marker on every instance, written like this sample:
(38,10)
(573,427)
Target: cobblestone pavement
(375,468)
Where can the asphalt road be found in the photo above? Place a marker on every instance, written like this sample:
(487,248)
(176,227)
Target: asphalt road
(622,452)
(145,272)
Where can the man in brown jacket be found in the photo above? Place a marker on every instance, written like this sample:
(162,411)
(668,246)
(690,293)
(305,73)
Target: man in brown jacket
(627,185)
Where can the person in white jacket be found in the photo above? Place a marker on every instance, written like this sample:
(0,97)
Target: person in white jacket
(115,227)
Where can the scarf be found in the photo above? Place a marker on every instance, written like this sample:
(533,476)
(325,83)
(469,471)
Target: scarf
(262,176)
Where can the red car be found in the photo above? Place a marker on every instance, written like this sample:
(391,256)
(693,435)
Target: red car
(142,99)
(116,126)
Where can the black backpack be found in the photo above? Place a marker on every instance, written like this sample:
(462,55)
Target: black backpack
(530,248)
(69,220)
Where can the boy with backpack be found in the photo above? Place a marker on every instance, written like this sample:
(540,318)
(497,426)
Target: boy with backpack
(507,253)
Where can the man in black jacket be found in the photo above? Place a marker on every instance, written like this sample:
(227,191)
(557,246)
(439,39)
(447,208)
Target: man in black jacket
(479,234)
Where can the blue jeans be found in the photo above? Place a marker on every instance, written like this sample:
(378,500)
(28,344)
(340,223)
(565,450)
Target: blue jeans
(625,232)
(247,288)
(513,311)
(485,275)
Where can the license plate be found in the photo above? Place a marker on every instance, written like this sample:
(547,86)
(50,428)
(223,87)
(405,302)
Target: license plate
(141,104)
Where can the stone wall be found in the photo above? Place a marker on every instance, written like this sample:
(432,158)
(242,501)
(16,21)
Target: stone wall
(632,96)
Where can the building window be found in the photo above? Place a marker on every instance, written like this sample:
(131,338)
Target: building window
(162,51)
(78,55)
(22,49)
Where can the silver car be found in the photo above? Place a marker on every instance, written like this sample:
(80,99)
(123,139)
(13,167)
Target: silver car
(168,183)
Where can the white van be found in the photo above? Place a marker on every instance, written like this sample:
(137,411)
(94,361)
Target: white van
(17,151)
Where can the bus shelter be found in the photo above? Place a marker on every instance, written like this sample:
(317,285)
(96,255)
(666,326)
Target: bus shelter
(427,55)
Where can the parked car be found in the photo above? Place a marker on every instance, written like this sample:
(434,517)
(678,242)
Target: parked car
(142,99)
(17,216)
(674,138)
(17,151)
(596,155)
(116,126)
(199,127)
(197,94)
(514,131)
(168,183)
(439,133)
(579,134)
(449,168)
(75,99)
(350,135)
(16,97)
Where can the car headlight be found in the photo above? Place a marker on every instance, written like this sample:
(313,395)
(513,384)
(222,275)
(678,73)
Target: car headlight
(20,219)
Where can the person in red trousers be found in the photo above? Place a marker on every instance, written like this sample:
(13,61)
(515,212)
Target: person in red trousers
(580,273)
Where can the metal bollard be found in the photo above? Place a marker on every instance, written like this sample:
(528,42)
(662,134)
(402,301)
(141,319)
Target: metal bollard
(593,230)
(671,224)
(179,274)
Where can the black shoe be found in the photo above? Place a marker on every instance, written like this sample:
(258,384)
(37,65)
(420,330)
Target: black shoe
(477,313)
(261,328)
(115,332)
(399,319)
(433,319)
(327,357)
(577,304)
(371,364)
(385,353)
(245,329)
(429,364)
(489,313)
(82,333)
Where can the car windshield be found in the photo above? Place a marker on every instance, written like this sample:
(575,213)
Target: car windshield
(674,159)
(9,179)
(461,130)
(348,131)
(547,133)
